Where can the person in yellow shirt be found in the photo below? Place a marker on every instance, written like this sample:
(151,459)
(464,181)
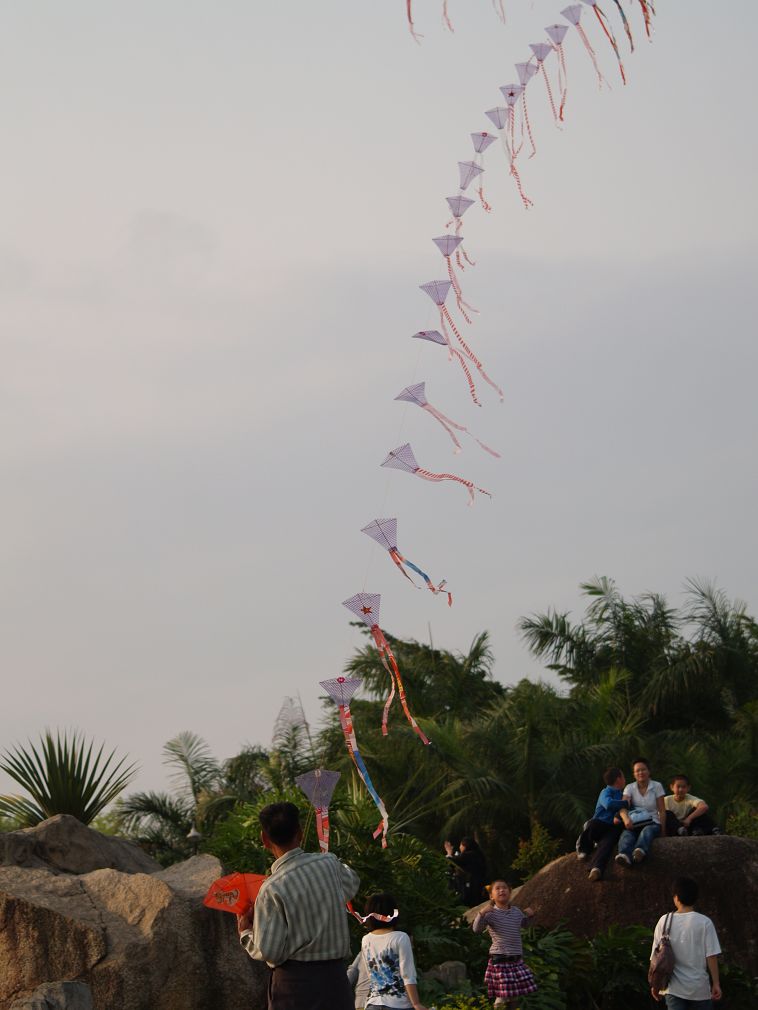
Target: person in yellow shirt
(687,814)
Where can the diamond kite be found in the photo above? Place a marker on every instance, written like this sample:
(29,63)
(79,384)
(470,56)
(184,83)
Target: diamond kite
(341,690)
(319,786)
(234,893)
(417,394)
(384,531)
(365,606)
(402,458)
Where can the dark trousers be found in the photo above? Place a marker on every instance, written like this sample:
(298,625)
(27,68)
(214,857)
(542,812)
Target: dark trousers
(600,834)
(310,985)
(703,824)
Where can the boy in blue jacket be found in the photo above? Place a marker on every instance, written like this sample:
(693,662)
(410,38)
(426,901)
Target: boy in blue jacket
(604,829)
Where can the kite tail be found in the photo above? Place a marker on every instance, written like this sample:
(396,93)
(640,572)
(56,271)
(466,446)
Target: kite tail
(445,421)
(446,19)
(483,200)
(459,260)
(499,9)
(447,424)
(346,721)
(528,124)
(587,45)
(562,80)
(472,388)
(414,34)
(390,664)
(399,560)
(462,305)
(471,263)
(322,828)
(524,198)
(427,475)
(611,38)
(646,15)
(627,27)
(549,91)
(470,354)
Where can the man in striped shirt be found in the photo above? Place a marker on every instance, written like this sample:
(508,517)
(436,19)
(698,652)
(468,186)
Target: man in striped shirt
(299,925)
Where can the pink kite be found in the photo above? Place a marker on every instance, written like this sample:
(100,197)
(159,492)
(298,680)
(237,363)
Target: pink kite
(556,34)
(438,292)
(365,606)
(458,206)
(573,15)
(319,786)
(435,337)
(417,394)
(481,142)
(467,172)
(507,117)
(447,245)
(402,458)
(384,531)
(603,20)
(341,690)
(541,52)
(526,72)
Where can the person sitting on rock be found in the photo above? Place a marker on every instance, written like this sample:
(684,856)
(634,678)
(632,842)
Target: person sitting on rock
(646,817)
(604,828)
(687,814)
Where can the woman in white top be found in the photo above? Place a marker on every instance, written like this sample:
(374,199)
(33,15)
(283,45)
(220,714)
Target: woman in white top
(696,948)
(646,817)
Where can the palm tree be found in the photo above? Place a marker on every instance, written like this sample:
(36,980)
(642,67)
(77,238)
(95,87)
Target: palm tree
(64,775)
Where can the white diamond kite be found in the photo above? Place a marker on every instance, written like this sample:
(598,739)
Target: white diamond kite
(402,458)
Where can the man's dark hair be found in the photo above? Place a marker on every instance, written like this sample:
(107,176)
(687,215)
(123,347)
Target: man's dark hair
(281,822)
(384,904)
(471,843)
(641,761)
(611,775)
(686,890)
(680,776)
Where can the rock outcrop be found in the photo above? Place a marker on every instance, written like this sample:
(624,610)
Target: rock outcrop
(134,940)
(725,867)
(65,845)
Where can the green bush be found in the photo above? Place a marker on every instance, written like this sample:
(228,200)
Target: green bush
(535,852)
(744,823)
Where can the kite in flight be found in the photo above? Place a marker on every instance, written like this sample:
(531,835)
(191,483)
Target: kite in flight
(319,786)
(402,458)
(365,606)
(341,690)
(435,337)
(438,292)
(384,531)
(417,394)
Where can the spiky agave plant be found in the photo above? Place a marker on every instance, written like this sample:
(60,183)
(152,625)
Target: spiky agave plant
(63,774)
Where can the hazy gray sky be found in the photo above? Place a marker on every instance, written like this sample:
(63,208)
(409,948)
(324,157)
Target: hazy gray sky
(215,219)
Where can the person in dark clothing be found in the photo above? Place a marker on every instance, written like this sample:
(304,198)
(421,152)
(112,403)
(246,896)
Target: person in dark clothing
(604,828)
(470,874)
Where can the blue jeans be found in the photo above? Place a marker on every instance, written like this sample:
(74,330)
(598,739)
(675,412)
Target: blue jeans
(680,1003)
(639,838)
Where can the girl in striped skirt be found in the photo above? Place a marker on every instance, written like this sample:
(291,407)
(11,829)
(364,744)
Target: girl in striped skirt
(507,977)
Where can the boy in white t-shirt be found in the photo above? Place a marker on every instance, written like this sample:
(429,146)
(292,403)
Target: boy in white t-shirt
(695,947)
(687,814)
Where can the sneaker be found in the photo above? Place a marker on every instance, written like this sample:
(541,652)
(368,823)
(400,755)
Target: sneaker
(638,855)
(623,860)
(716,831)
(697,832)
(681,831)
(595,874)
(499,1002)
(580,855)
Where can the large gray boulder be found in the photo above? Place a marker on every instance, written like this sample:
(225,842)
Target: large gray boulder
(56,996)
(64,844)
(137,941)
(725,867)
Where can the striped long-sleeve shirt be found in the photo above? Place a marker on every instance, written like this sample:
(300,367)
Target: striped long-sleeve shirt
(300,910)
(504,926)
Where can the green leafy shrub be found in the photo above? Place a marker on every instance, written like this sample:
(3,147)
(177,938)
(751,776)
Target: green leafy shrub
(744,823)
(535,852)
(620,956)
